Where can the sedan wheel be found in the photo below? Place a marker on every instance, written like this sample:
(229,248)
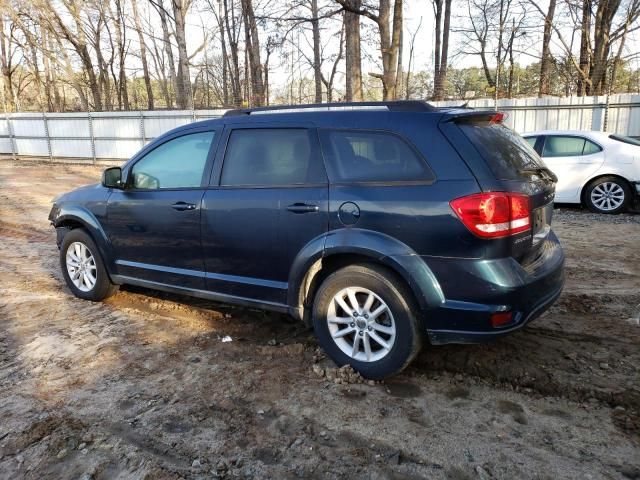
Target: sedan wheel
(607,195)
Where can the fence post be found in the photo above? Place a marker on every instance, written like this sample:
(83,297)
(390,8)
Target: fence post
(46,132)
(12,140)
(143,137)
(93,138)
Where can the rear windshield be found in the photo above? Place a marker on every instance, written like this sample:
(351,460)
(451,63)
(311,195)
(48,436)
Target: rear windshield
(625,139)
(506,152)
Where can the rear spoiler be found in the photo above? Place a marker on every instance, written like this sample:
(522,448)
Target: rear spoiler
(469,115)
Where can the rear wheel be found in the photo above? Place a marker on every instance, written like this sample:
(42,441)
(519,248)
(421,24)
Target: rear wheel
(607,195)
(363,316)
(82,267)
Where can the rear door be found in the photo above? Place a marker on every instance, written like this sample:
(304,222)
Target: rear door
(269,199)
(573,159)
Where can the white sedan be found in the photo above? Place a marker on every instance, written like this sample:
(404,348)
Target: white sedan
(598,169)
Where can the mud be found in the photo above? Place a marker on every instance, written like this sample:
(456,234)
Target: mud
(142,385)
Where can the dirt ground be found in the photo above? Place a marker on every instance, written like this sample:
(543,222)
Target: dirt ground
(143,386)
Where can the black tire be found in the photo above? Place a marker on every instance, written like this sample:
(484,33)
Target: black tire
(102,288)
(389,288)
(603,182)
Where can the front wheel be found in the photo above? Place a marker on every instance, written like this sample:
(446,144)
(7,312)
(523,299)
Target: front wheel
(363,316)
(607,195)
(83,268)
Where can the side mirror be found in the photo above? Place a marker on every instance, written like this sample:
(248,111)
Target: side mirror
(112,178)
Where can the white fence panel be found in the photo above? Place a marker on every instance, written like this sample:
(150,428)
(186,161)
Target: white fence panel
(118,135)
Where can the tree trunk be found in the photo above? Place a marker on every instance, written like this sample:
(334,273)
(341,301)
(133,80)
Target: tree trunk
(184,94)
(389,45)
(223,47)
(317,70)
(168,49)
(585,41)
(511,61)
(353,56)
(121,34)
(7,71)
(437,88)
(143,54)
(442,48)
(545,62)
(253,52)
(605,13)
(230,22)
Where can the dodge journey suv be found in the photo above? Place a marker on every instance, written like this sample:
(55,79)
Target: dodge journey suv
(382,225)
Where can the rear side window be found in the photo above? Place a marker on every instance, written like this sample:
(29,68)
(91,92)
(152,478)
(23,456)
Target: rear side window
(272,156)
(590,147)
(568,146)
(371,156)
(507,154)
(531,141)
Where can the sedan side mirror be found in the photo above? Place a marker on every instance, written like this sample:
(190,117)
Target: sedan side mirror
(112,178)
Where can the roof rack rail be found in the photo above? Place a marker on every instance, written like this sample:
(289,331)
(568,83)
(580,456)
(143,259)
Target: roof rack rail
(394,106)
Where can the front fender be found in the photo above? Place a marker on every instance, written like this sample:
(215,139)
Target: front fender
(380,248)
(63,215)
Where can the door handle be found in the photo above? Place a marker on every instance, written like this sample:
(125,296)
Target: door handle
(303,208)
(182,206)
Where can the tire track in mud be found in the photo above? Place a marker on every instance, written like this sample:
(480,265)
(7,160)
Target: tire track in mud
(145,379)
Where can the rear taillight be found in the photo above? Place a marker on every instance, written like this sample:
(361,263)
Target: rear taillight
(494,214)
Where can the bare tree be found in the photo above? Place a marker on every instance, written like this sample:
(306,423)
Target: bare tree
(442,8)
(184,93)
(252,46)
(143,53)
(353,56)
(546,60)
(7,51)
(388,20)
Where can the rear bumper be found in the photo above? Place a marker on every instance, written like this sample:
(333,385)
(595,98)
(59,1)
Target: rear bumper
(475,289)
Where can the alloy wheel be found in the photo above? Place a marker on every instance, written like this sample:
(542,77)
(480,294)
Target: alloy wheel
(81,266)
(361,324)
(607,196)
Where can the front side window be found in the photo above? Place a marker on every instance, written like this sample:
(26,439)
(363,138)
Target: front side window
(569,146)
(531,141)
(271,156)
(371,156)
(178,163)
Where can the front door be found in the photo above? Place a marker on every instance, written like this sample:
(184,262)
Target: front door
(573,159)
(154,223)
(269,200)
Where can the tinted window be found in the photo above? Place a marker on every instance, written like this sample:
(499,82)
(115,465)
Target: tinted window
(178,163)
(371,156)
(505,152)
(625,139)
(531,141)
(559,146)
(590,147)
(270,156)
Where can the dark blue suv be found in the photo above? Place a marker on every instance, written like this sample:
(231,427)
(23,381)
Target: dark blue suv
(380,224)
